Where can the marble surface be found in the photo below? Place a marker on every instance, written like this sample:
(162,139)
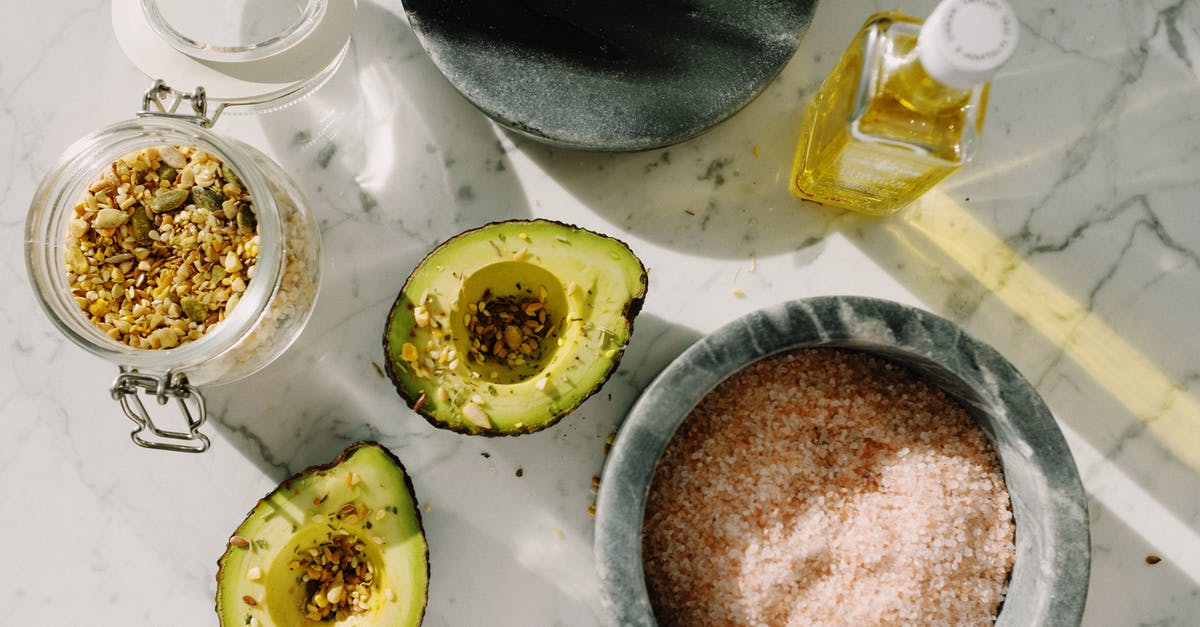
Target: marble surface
(1072,245)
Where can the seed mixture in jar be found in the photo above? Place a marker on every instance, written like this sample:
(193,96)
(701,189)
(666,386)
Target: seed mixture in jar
(161,246)
(826,487)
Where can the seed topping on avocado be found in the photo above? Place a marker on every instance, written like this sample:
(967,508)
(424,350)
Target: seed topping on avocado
(508,329)
(340,543)
(337,575)
(503,329)
(337,578)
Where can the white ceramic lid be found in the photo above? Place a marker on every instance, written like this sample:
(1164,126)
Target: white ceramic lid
(240,51)
(964,42)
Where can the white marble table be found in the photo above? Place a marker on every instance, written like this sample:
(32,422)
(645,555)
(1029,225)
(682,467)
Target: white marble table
(1072,245)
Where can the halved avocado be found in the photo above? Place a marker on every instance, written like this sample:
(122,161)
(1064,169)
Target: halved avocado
(358,512)
(506,328)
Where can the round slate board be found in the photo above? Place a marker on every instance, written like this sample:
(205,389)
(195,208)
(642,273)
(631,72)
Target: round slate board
(615,75)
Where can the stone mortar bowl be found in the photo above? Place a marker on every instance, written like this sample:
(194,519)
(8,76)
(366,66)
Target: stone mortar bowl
(1053,548)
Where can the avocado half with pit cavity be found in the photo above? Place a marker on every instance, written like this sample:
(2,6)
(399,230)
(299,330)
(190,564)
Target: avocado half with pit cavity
(358,513)
(506,328)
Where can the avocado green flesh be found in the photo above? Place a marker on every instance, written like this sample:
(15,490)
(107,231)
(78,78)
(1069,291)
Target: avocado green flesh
(590,285)
(261,584)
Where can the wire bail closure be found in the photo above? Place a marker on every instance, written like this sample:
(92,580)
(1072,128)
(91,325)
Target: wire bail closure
(169,385)
(162,100)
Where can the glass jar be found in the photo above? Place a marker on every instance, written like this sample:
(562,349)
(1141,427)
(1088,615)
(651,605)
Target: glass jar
(274,306)
(255,55)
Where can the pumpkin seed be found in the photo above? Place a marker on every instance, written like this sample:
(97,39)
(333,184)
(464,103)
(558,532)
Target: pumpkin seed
(193,309)
(229,175)
(206,198)
(169,200)
(142,225)
(246,218)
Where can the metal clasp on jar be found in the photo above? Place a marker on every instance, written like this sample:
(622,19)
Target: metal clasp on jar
(169,385)
(153,104)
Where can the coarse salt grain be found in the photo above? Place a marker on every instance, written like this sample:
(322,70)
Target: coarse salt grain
(827,487)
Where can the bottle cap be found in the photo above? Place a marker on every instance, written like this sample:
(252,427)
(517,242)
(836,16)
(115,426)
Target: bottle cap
(964,42)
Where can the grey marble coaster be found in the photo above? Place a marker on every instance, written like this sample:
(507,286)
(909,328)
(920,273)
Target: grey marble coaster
(1050,578)
(613,75)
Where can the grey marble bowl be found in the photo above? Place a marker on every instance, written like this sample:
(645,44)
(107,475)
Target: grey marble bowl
(1050,577)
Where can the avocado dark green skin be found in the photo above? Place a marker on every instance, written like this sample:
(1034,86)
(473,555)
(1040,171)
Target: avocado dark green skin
(342,457)
(404,302)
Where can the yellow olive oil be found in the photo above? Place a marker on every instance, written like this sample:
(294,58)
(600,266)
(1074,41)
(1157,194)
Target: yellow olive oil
(881,131)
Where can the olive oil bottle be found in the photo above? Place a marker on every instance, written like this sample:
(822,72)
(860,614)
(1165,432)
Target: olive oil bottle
(904,106)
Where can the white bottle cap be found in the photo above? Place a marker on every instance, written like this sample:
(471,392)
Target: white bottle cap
(964,42)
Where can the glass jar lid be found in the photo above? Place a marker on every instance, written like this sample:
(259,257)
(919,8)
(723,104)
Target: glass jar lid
(244,52)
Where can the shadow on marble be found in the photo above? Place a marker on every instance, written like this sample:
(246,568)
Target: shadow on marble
(582,434)
(737,211)
(542,523)
(724,192)
(389,174)
(515,557)
(1090,210)
(1092,203)
(1077,397)
(1105,384)
(1095,205)
(389,139)
(524,547)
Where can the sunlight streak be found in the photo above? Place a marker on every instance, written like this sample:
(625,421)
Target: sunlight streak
(1150,394)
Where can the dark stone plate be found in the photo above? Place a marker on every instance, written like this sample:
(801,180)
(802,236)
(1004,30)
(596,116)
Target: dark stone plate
(612,75)
(1050,577)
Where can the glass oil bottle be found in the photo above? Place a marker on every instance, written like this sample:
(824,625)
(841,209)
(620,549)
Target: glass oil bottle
(904,107)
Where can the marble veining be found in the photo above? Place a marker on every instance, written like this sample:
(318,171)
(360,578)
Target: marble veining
(1071,246)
